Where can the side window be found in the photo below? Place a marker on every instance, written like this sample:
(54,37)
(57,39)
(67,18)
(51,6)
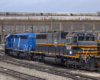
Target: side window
(23,37)
(80,38)
(95,38)
(9,38)
(41,37)
(67,40)
(38,37)
(87,38)
(75,40)
(63,35)
(92,39)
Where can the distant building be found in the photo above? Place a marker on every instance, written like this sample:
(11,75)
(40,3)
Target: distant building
(41,22)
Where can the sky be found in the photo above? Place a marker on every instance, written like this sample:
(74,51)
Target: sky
(50,6)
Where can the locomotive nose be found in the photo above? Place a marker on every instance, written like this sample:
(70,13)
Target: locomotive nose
(88,47)
(88,43)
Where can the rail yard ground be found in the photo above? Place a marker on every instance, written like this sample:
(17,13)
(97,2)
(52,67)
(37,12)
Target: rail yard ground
(31,70)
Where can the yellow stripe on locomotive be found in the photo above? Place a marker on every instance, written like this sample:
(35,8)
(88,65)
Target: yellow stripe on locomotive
(71,48)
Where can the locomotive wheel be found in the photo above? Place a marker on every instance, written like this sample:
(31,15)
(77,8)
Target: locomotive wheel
(40,58)
(67,65)
(18,55)
(32,57)
(9,53)
(28,57)
(78,67)
(6,52)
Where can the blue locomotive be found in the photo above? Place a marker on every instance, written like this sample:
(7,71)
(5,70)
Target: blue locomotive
(20,44)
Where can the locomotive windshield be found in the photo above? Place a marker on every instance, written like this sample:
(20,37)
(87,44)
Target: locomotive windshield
(69,40)
(85,38)
(80,38)
(75,40)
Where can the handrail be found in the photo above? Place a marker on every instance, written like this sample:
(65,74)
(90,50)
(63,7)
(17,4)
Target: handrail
(86,54)
(83,51)
(30,48)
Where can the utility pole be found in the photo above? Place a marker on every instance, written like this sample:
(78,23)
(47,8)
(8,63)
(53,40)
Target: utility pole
(60,26)
(25,26)
(93,26)
(2,34)
(32,28)
(51,23)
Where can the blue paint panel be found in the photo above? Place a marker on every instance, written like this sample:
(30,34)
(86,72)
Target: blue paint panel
(16,40)
(9,41)
(22,41)
(23,44)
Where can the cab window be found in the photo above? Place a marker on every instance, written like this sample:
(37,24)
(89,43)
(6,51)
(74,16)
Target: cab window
(23,37)
(92,38)
(87,39)
(67,40)
(75,40)
(80,38)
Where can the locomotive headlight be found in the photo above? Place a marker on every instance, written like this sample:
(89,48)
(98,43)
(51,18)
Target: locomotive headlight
(68,47)
(70,52)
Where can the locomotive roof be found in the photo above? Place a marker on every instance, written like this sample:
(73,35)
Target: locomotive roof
(71,34)
(25,34)
(75,33)
(18,34)
(8,35)
(48,33)
(52,32)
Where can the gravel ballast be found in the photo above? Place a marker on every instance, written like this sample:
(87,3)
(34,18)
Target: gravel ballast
(33,72)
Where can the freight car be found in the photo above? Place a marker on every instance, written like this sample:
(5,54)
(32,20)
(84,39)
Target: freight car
(74,49)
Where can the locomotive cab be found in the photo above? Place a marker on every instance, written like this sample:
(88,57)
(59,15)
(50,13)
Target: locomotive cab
(69,40)
(83,46)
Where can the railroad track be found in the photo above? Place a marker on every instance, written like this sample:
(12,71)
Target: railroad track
(19,75)
(55,71)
